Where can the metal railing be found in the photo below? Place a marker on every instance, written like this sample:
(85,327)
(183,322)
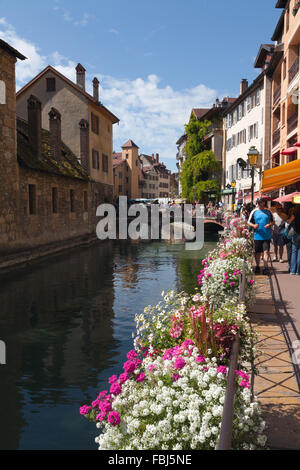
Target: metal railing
(294,70)
(277,94)
(228,410)
(292,122)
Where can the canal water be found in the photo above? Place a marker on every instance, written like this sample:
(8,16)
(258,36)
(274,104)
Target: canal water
(67,324)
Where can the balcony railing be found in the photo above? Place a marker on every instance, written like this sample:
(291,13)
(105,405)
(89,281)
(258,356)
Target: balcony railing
(276,138)
(292,122)
(277,94)
(294,70)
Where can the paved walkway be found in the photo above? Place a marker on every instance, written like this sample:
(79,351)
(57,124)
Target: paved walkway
(276,316)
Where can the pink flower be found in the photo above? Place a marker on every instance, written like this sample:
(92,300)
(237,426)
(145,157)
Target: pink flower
(175,377)
(200,359)
(105,407)
(84,410)
(95,403)
(123,378)
(115,389)
(141,377)
(232,284)
(245,384)
(179,363)
(112,379)
(224,281)
(151,367)
(131,354)
(222,370)
(114,418)
(129,366)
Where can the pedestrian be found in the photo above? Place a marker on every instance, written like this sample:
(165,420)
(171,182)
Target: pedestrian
(294,222)
(277,237)
(261,220)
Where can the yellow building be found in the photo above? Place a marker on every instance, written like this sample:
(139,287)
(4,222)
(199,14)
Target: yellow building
(128,178)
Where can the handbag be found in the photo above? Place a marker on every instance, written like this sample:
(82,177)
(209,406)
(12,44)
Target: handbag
(287,233)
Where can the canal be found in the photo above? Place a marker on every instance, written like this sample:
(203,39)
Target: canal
(67,324)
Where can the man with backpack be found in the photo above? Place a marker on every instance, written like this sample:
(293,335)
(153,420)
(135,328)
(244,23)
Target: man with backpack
(261,220)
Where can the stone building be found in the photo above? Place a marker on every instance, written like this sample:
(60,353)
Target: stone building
(48,196)
(88,124)
(128,178)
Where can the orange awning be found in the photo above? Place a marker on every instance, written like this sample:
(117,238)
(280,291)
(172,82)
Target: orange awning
(281,176)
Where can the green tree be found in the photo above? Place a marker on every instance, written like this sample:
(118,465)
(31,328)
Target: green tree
(196,131)
(198,176)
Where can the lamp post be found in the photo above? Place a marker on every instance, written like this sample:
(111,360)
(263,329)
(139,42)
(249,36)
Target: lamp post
(252,155)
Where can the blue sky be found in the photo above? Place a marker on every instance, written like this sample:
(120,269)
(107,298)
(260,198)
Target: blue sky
(155,60)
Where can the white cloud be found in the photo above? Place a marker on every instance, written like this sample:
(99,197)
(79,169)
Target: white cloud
(113,31)
(151,114)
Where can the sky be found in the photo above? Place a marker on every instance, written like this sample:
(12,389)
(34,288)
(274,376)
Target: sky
(155,60)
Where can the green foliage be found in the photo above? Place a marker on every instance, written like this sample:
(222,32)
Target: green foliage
(196,131)
(197,176)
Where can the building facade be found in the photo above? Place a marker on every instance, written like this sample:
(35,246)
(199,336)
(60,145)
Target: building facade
(88,125)
(245,124)
(48,198)
(285,105)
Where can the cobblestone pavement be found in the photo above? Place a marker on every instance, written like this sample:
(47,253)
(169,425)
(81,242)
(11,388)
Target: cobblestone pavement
(276,316)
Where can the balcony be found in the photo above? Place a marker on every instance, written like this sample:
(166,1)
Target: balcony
(277,94)
(276,138)
(292,122)
(294,70)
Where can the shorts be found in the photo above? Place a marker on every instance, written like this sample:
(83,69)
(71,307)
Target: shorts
(261,245)
(277,239)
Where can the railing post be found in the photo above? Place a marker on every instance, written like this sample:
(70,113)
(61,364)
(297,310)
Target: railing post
(228,410)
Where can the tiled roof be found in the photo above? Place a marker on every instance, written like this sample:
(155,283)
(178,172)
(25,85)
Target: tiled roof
(129,144)
(4,45)
(117,159)
(68,166)
(199,112)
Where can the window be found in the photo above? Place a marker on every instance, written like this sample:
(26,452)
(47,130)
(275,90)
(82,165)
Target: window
(72,200)
(54,200)
(104,163)
(120,175)
(50,84)
(120,188)
(32,198)
(127,179)
(284,69)
(248,104)
(95,123)
(95,159)
(126,155)
(257,98)
(85,201)
(136,163)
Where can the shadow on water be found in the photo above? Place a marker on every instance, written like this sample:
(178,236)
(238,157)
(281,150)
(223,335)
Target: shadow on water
(67,325)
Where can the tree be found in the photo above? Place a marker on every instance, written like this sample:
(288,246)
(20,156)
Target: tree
(196,131)
(197,176)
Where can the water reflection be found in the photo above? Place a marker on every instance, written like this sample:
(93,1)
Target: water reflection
(67,325)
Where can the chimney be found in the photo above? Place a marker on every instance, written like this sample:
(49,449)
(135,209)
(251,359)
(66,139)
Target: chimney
(96,88)
(80,76)
(153,161)
(157,158)
(84,144)
(55,133)
(243,86)
(34,107)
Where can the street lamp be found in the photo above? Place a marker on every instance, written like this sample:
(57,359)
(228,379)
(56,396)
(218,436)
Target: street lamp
(252,155)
